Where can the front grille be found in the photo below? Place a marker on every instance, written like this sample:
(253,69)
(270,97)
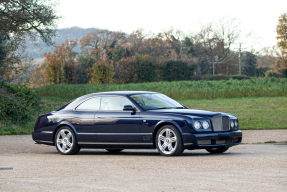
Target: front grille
(221,123)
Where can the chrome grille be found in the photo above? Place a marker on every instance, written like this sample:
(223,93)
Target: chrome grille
(221,123)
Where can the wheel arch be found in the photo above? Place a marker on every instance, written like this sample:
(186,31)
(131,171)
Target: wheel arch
(161,124)
(62,124)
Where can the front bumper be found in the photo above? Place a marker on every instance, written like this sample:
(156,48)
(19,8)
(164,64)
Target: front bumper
(210,140)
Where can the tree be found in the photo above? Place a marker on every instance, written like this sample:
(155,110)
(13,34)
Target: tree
(177,71)
(101,43)
(3,51)
(281,63)
(25,68)
(83,64)
(21,18)
(39,76)
(125,70)
(282,34)
(249,61)
(213,44)
(101,73)
(145,70)
(61,67)
(268,56)
(36,17)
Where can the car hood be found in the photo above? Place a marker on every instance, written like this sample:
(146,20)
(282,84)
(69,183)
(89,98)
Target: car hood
(189,112)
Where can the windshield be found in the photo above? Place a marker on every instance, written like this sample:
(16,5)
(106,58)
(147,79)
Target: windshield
(153,101)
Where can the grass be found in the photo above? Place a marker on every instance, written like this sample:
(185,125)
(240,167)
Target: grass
(252,112)
(260,87)
(270,142)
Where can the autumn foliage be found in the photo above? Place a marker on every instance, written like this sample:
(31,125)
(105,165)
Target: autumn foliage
(281,63)
(107,57)
(101,73)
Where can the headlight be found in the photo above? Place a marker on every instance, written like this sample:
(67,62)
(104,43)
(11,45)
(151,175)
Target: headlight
(197,125)
(232,124)
(236,123)
(205,124)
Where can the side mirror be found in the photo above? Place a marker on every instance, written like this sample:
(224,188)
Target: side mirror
(128,108)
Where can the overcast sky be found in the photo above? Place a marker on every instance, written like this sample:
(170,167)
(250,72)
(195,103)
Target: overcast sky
(258,16)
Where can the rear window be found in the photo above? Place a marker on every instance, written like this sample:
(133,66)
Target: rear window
(92,104)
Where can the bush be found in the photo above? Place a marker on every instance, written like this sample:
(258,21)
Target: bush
(273,74)
(145,69)
(177,70)
(101,73)
(224,77)
(239,77)
(214,77)
(16,102)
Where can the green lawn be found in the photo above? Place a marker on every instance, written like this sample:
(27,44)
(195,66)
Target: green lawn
(253,112)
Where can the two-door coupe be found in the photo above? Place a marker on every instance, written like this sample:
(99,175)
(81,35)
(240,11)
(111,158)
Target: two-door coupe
(135,119)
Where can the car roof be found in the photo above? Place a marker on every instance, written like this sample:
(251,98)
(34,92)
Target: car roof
(75,102)
(121,93)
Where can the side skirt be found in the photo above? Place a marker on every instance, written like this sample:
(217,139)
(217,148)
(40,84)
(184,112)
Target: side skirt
(107,145)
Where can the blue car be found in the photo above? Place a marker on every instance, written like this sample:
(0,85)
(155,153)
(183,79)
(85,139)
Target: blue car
(135,120)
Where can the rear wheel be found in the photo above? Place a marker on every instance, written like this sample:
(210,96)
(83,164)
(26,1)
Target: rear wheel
(66,142)
(168,141)
(217,149)
(114,150)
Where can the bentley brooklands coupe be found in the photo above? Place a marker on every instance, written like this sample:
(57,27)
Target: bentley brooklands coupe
(135,120)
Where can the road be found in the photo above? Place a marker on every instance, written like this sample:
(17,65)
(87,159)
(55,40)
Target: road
(25,166)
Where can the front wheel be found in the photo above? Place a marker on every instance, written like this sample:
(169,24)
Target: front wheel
(217,149)
(169,141)
(66,142)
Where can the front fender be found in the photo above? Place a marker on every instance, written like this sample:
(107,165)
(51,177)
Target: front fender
(166,122)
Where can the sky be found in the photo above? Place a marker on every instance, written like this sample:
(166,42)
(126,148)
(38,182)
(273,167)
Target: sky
(259,17)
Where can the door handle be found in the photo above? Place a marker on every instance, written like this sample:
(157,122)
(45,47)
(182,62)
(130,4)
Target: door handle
(101,116)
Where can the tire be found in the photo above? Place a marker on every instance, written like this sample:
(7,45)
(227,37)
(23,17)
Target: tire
(217,150)
(66,141)
(114,150)
(168,141)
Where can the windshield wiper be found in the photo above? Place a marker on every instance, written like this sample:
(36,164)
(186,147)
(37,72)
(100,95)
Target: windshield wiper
(161,108)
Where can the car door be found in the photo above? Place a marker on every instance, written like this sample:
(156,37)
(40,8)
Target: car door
(113,124)
(84,119)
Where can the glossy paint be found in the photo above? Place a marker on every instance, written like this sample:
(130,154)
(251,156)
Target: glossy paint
(129,129)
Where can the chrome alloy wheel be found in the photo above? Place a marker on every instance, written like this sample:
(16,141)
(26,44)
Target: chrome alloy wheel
(167,141)
(65,141)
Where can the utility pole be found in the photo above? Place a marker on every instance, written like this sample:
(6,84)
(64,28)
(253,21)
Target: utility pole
(239,59)
(213,68)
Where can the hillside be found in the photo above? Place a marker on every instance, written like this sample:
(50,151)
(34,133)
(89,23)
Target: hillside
(61,35)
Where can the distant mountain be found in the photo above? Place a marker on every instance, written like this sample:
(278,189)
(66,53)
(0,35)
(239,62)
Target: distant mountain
(61,35)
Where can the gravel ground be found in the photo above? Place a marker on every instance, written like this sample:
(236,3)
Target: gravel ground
(261,136)
(247,167)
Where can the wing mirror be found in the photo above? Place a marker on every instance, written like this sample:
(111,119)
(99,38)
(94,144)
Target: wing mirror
(129,108)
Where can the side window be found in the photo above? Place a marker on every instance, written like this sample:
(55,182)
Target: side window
(92,104)
(114,103)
